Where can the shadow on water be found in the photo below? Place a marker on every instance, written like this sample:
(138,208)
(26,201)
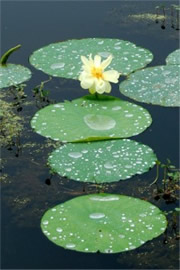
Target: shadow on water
(28,186)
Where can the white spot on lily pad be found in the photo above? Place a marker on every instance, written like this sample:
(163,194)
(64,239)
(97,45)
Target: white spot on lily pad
(57,65)
(96,215)
(70,245)
(104,199)
(104,54)
(99,122)
(75,154)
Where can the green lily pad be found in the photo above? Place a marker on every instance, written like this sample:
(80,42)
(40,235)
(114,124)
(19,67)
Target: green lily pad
(103,161)
(173,58)
(62,59)
(103,222)
(12,74)
(88,119)
(156,85)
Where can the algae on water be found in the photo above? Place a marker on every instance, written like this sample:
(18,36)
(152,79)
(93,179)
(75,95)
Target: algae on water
(10,125)
(147,16)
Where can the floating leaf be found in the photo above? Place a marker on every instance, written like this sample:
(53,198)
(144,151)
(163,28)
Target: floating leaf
(88,119)
(103,222)
(157,85)
(173,58)
(103,161)
(12,74)
(62,59)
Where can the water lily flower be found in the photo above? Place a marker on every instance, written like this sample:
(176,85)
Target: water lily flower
(93,76)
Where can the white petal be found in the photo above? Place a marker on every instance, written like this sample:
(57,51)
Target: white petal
(100,86)
(106,62)
(97,60)
(111,76)
(87,68)
(108,87)
(87,83)
(83,75)
(90,58)
(85,60)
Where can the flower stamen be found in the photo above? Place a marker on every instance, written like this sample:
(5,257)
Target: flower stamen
(97,73)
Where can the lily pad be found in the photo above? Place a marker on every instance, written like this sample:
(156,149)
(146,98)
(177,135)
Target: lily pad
(103,222)
(103,161)
(156,85)
(62,59)
(173,58)
(12,74)
(88,119)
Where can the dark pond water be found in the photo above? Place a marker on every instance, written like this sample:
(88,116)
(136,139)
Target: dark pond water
(27,190)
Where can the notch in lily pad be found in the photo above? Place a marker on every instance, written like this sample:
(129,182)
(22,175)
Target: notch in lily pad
(90,119)
(12,74)
(103,161)
(106,223)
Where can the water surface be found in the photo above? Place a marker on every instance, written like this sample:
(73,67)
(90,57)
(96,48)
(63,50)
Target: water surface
(27,190)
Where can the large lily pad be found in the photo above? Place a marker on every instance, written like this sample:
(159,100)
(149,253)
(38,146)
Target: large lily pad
(173,58)
(88,119)
(103,161)
(62,59)
(103,222)
(13,74)
(156,85)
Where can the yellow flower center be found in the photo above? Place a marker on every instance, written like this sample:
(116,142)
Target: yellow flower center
(97,73)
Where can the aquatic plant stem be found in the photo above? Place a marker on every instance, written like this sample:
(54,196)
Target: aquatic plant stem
(157,174)
(157,14)
(96,95)
(6,55)
(165,175)
(172,16)
(177,19)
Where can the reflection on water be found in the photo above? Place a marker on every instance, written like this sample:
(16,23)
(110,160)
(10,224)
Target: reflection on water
(29,188)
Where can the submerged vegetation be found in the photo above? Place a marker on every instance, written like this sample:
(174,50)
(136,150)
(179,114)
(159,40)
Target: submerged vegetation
(41,94)
(169,187)
(11,125)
